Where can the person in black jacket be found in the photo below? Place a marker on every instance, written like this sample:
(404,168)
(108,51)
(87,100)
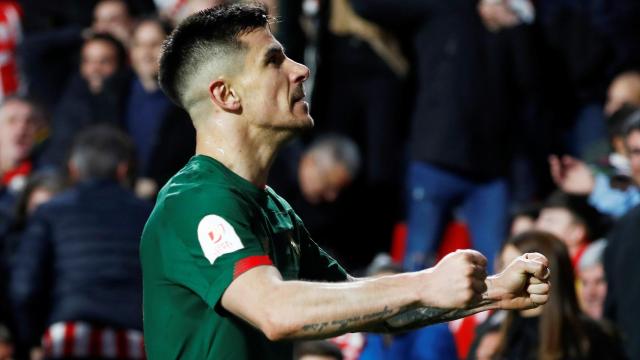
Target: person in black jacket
(76,275)
(469,83)
(93,96)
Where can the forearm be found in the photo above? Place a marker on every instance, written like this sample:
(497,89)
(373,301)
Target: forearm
(320,310)
(424,316)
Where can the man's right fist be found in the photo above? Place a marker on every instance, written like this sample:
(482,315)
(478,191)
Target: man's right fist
(456,281)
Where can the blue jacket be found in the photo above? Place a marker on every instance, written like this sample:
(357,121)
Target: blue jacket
(78,260)
(433,342)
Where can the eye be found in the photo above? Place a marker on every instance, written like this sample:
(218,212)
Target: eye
(275,59)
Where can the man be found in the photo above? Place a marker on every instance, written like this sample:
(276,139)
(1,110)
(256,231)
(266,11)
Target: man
(92,96)
(593,284)
(161,131)
(76,282)
(113,17)
(222,254)
(621,269)
(572,220)
(575,177)
(21,121)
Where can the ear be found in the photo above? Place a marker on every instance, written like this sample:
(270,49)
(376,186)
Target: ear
(224,96)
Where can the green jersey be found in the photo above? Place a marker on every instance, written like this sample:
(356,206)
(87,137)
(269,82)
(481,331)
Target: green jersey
(208,227)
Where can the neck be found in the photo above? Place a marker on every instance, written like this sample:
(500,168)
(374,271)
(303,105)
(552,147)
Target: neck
(149,84)
(248,152)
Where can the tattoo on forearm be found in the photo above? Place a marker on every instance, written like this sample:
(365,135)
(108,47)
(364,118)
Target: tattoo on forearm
(344,324)
(424,316)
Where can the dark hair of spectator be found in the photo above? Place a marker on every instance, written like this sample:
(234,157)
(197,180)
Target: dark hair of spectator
(164,25)
(121,52)
(581,210)
(632,123)
(531,210)
(51,181)
(202,36)
(560,329)
(318,348)
(617,120)
(98,151)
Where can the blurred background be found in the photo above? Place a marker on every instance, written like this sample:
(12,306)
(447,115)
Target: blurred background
(506,126)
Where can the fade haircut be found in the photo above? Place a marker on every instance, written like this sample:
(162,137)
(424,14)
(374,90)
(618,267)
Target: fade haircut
(204,42)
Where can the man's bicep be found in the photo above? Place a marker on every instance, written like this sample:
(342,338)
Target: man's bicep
(246,296)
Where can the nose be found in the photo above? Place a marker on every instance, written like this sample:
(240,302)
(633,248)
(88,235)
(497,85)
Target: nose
(300,72)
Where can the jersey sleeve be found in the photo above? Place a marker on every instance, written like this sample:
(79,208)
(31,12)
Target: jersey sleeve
(214,237)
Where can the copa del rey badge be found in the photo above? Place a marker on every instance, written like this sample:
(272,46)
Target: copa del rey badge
(217,237)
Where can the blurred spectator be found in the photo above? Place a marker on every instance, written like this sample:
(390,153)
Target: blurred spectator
(21,123)
(624,90)
(592,288)
(612,196)
(113,17)
(315,181)
(316,350)
(622,271)
(523,219)
(558,329)
(95,95)
(572,220)
(327,166)
(359,92)
(163,134)
(77,274)
(434,342)
(39,189)
(6,344)
(469,80)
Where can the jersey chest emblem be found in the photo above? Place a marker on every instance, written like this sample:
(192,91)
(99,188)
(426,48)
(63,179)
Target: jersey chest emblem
(217,237)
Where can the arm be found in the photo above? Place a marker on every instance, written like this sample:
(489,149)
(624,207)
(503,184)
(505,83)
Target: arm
(456,287)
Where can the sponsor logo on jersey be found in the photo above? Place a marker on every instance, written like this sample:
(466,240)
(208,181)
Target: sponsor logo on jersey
(217,237)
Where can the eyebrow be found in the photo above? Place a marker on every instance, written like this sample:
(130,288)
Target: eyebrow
(274,49)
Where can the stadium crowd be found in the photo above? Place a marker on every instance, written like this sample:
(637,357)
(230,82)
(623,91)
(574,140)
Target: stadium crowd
(507,126)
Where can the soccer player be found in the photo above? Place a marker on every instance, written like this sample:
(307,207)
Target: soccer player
(229,270)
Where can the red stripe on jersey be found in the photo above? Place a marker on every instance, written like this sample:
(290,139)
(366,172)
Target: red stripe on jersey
(95,342)
(249,263)
(122,348)
(69,339)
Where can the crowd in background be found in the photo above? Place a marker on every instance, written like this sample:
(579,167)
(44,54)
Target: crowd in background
(508,126)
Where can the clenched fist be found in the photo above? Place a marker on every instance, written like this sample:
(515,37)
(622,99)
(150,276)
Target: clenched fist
(523,284)
(457,281)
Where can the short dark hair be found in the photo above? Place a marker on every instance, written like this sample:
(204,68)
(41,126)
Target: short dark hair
(632,123)
(201,36)
(121,52)
(99,150)
(617,120)
(581,211)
